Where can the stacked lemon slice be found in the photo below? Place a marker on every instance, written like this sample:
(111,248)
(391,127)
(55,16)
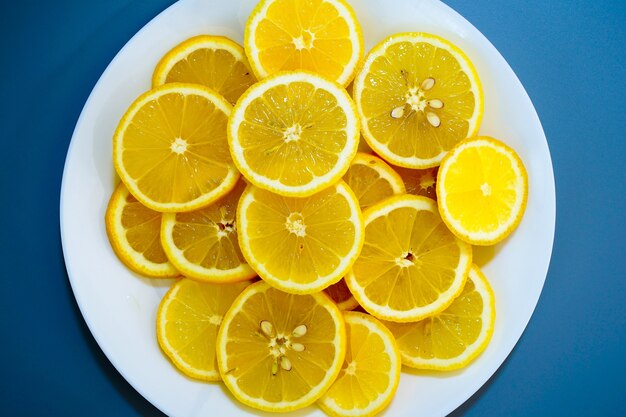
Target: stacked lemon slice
(257,161)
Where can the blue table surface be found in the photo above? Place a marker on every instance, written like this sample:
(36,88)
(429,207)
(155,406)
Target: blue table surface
(571,57)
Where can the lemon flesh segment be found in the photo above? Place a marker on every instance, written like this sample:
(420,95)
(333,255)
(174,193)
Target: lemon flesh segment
(294,133)
(456,336)
(134,233)
(213,61)
(170,148)
(483,189)
(341,295)
(322,36)
(370,372)
(372,180)
(411,266)
(278,351)
(419,181)
(417,96)
(203,244)
(300,245)
(188,319)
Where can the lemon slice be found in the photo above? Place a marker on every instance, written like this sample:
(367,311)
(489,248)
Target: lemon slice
(456,336)
(370,372)
(133,231)
(188,319)
(213,61)
(170,148)
(341,295)
(316,35)
(278,351)
(417,96)
(419,181)
(482,187)
(372,180)
(411,266)
(300,245)
(294,133)
(203,244)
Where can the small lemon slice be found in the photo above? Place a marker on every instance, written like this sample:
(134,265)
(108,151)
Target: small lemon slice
(170,148)
(370,372)
(278,351)
(300,245)
(203,244)
(316,35)
(188,319)
(482,188)
(372,180)
(456,336)
(134,232)
(411,266)
(417,96)
(294,133)
(213,61)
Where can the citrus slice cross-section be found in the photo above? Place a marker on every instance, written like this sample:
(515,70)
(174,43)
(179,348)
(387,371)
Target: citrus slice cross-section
(188,319)
(411,266)
(482,188)
(300,245)
(278,351)
(417,96)
(372,180)
(316,35)
(203,244)
(294,133)
(170,148)
(133,230)
(370,372)
(213,61)
(454,337)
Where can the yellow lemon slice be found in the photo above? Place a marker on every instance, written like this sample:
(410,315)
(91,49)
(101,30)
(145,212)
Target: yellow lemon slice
(203,244)
(300,245)
(411,266)
(482,188)
(316,35)
(213,61)
(372,180)
(188,319)
(170,148)
(370,372)
(134,232)
(456,336)
(417,96)
(278,351)
(419,181)
(294,133)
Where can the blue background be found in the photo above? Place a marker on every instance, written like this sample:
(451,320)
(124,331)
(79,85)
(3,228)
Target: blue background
(569,54)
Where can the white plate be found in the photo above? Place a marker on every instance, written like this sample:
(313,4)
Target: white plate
(120,307)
